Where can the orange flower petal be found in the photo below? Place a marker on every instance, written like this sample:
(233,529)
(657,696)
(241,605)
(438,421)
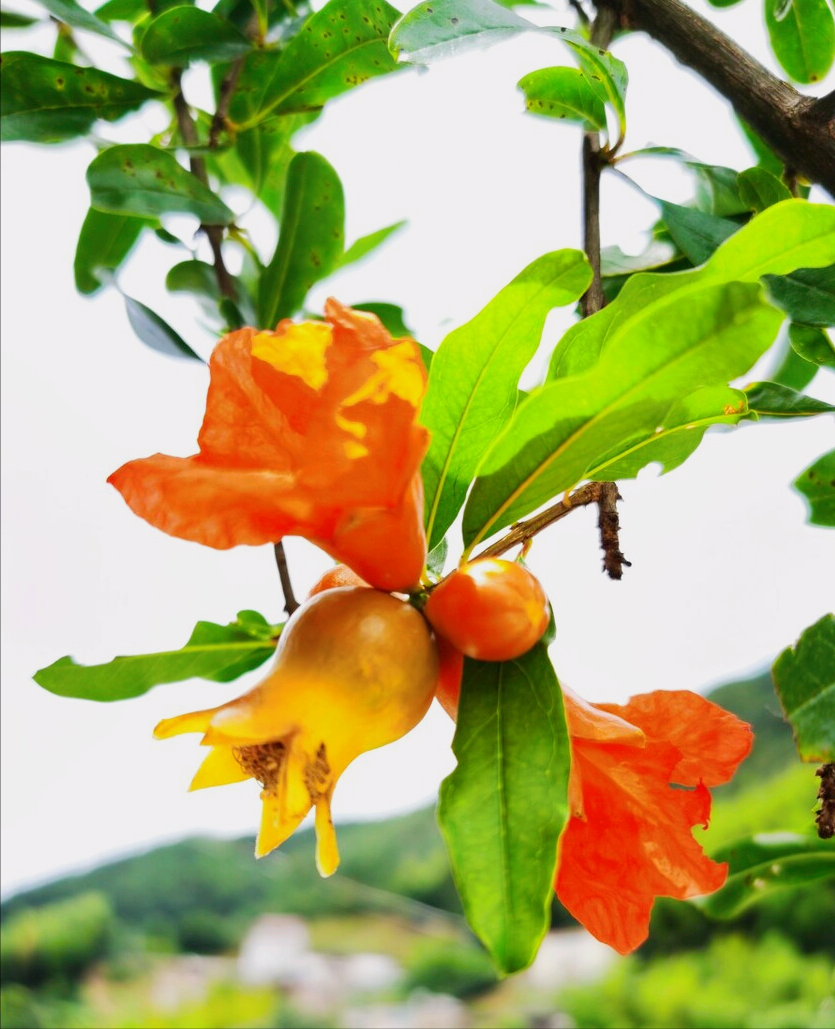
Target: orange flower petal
(310,430)
(712,741)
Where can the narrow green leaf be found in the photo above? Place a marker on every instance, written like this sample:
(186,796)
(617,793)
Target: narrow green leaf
(104,242)
(363,246)
(802,34)
(13,20)
(71,13)
(184,34)
(694,340)
(122,10)
(806,295)
(441,28)
(804,677)
(501,811)
(338,48)
(817,484)
(696,233)
(155,332)
(605,74)
(392,318)
(784,237)
(216,652)
(680,432)
(46,101)
(812,344)
(773,400)
(760,189)
(473,384)
(311,239)
(436,559)
(143,180)
(564,93)
(762,864)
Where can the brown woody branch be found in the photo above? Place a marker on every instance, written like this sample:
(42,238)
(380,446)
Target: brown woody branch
(799,129)
(214,233)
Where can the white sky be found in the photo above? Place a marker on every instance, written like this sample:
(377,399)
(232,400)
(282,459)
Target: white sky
(725,570)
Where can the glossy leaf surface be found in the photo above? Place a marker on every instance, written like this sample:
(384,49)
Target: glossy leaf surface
(773,400)
(564,93)
(696,233)
(760,189)
(812,344)
(46,101)
(310,241)
(501,811)
(338,48)
(804,677)
(104,242)
(761,864)
(802,34)
(806,295)
(472,389)
(184,34)
(139,179)
(155,332)
(216,652)
(817,484)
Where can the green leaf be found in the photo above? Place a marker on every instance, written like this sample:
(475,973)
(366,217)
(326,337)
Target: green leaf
(155,332)
(184,34)
(793,370)
(766,158)
(696,233)
(789,235)
(216,652)
(564,93)
(311,239)
(71,13)
(193,277)
(817,484)
(566,427)
(658,254)
(759,189)
(46,101)
(680,432)
(436,558)
(365,244)
(717,190)
(804,677)
(762,864)
(441,28)
(472,389)
(338,48)
(13,20)
(104,242)
(143,180)
(802,34)
(773,400)
(392,318)
(806,295)
(501,811)
(812,344)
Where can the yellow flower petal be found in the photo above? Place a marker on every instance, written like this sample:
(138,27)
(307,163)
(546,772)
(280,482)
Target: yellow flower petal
(193,721)
(327,852)
(219,768)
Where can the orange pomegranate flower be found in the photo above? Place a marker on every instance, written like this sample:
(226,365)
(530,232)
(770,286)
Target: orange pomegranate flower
(312,431)
(628,839)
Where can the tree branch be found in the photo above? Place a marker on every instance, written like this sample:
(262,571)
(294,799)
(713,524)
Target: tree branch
(214,233)
(800,130)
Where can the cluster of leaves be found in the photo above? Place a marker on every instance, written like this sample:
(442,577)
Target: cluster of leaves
(640,381)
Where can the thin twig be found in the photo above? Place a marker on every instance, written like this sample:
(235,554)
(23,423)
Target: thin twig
(522,532)
(290,602)
(609,525)
(214,233)
(227,89)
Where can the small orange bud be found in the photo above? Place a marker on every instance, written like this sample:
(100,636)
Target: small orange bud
(491,609)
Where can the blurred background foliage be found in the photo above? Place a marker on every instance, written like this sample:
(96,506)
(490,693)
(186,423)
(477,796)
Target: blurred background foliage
(91,950)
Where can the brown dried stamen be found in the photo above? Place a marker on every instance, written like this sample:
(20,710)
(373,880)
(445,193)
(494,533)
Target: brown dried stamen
(317,774)
(825,815)
(263,762)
